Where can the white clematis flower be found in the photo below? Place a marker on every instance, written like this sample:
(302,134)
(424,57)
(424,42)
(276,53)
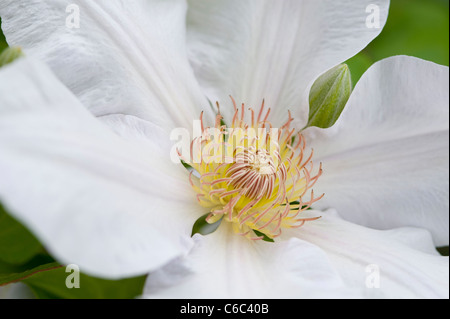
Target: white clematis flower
(112,203)
(407,145)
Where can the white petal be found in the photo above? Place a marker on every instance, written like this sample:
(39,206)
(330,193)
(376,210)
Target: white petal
(92,198)
(386,159)
(360,254)
(226,265)
(125,58)
(274,50)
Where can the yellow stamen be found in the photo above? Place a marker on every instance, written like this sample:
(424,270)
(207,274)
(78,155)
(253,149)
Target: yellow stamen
(253,175)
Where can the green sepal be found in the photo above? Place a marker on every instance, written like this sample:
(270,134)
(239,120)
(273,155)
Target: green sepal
(201,226)
(264,236)
(328,96)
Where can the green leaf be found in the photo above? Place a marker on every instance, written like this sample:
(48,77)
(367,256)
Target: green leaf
(19,276)
(201,226)
(17,244)
(9,55)
(328,96)
(186,165)
(47,279)
(39,259)
(52,284)
(265,237)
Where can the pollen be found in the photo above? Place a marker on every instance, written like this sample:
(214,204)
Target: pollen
(252,175)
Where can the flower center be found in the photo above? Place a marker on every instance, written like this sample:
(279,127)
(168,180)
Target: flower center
(253,175)
(254,172)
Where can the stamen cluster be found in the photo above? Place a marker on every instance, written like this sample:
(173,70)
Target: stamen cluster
(253,175)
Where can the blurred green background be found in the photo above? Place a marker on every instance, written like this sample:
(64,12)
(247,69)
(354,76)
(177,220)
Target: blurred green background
(418,28)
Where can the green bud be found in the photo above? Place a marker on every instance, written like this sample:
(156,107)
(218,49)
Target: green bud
(328,96)
(10,54)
